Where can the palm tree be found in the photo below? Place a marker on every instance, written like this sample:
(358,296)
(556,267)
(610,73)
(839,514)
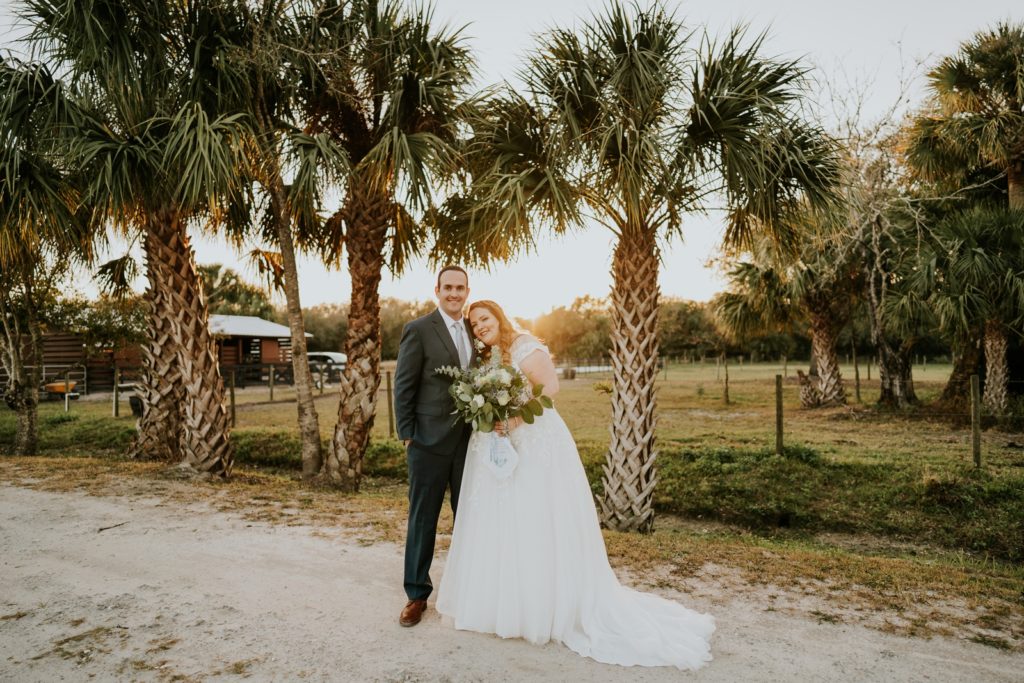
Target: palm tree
(227,293)
(976,117)
(974,125)
(630,124)
(974,269)
(41,229)
(817,288)
(271,49)
(158,156)
(391,98)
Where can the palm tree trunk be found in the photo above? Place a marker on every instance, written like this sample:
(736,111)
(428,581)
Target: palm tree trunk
(365,216)
(206,430)
(956,393)
(823,347)
(159,429)
(629,473)
(1015,185)
(23,379)
(997,374)
(309,420)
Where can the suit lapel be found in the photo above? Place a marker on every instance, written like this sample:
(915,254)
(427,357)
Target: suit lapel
(446,337)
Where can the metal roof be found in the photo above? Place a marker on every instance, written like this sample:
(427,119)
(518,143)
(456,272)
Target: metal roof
(248,326)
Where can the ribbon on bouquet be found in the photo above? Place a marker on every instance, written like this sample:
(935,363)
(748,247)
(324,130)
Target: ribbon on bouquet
(501,457)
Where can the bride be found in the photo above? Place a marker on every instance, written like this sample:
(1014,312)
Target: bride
(527,557)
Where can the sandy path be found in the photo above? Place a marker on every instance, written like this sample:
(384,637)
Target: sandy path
(182,593)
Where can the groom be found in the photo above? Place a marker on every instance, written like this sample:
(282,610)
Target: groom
(435,443)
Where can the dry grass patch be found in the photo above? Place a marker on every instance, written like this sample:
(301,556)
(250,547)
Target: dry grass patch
(82,647)
(923,595)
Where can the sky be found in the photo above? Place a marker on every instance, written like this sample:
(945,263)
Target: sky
(873,43)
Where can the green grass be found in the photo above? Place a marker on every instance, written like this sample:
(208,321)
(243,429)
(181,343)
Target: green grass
(907,477)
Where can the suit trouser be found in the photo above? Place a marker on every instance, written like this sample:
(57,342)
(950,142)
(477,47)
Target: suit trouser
(430,475)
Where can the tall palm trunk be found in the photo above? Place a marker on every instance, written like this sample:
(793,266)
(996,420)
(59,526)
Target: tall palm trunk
(629,473)
(366,217)
(997,372)
(309,420)
(205,429)
(823,347)
(160,434)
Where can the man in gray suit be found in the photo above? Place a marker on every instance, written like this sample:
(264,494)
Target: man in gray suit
(435,440)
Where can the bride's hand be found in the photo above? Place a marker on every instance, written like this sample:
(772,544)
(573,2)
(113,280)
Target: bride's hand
(503,427)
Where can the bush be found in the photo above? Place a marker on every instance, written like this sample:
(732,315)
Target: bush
(386,459)
(274,448)
(282,449)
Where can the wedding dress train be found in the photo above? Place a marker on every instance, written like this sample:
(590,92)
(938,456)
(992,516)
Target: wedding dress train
(527,559)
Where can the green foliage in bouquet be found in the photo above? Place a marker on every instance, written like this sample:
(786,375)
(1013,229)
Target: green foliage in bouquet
(493,392)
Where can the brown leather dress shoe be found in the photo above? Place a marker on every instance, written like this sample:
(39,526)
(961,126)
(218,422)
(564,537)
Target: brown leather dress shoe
(413,612)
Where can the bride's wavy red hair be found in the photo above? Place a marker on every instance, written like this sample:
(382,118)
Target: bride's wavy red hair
(507,331)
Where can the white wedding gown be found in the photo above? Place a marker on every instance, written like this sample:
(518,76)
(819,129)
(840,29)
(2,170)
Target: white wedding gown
(528,560)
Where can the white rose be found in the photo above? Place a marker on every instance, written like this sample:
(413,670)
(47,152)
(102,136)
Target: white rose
(478,401)
(503,398)
(505,376)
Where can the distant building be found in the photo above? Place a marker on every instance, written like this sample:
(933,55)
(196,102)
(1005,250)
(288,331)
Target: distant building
(246,339)
(242,340)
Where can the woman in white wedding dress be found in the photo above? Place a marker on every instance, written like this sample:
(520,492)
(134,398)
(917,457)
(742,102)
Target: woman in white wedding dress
(527,558)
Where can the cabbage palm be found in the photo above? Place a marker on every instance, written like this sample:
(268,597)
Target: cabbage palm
(630,124)
(816,288)
(158,156)
(974,269)
(268,52)
(391,97)
(41,228)
(976,117)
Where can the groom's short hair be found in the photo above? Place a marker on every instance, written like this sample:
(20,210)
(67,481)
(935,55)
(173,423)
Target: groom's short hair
(446,269)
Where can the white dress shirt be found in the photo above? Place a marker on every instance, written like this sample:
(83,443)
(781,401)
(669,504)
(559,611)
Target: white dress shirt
(458,327)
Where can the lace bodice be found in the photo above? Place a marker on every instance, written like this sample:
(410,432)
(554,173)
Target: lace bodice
(523,346)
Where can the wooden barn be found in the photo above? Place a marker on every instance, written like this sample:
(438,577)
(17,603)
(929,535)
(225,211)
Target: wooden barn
(243,342)
(247,340)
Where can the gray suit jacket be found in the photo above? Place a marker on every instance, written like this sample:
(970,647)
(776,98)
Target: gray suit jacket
(423,407)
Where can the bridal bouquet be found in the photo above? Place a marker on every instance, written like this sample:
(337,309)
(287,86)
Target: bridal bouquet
(493,392)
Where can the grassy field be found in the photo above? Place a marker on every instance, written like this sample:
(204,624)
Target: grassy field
(880,512)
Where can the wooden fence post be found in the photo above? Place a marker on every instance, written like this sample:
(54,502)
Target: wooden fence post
(117,392)
(232,397)
(272,381)
(725,363)
(391,407)
(869,368)
(785,366)
(976,420)
(67,390)
(778,414)
(856,373)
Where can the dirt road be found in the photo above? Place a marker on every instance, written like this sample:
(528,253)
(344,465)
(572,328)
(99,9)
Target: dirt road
(117,588)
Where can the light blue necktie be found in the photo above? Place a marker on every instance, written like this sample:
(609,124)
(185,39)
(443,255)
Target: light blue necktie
(460,345)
